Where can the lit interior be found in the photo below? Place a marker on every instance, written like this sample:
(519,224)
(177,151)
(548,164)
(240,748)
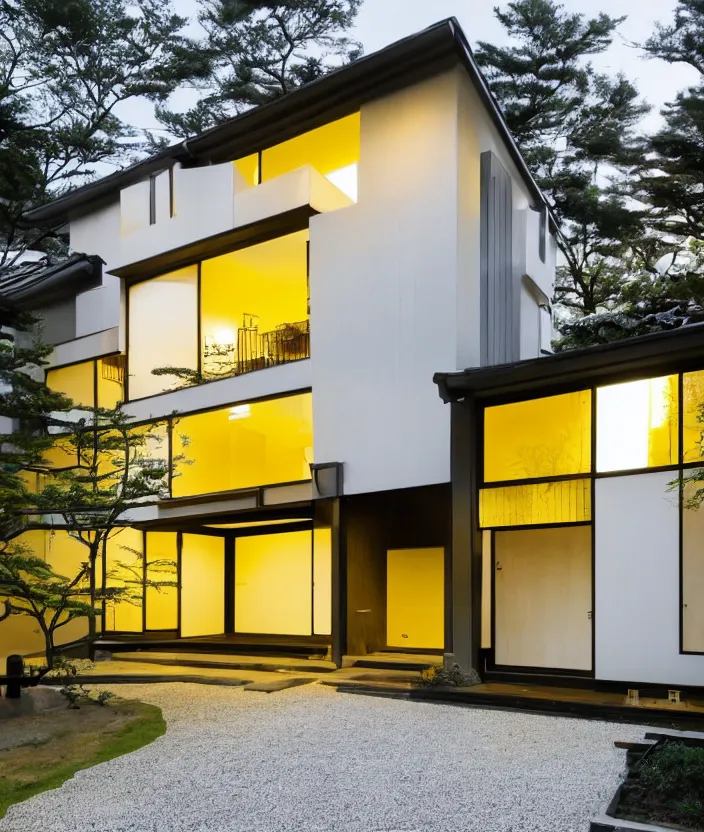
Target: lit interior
(111,381)
(161,560)
(163,330)
(333,150)
(248,293)
(415,598)
(637,424)
(322,582)
(202,586)
(124,567)
(272,444)
(77,382)
(246,172)
(535,504)
(273,584)
(538,438)
(693,416)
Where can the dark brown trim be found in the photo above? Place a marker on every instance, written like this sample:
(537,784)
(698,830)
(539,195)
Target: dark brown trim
(526,526)
(230,567)
(199,318)
(145,564)
(234,239)
(152,198)
(338,619)
(179,579)
(172,196)
(484,486)
(592,497)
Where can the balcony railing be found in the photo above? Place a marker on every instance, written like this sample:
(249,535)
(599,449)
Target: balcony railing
(257,350)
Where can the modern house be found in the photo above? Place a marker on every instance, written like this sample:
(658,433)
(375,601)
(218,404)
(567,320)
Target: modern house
(309,266)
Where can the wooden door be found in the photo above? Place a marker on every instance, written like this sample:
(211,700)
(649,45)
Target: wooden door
(543,592)
(415,598)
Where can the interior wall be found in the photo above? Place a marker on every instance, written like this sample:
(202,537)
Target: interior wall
(322,582)
(202,586)
(161,565)
(371,525)
(638,583)
(273,584)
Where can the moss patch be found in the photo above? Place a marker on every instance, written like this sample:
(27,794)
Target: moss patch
(42,751)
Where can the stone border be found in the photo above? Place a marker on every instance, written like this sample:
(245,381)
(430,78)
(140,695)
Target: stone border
(144,679)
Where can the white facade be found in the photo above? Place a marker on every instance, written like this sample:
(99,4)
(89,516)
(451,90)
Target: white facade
(394,278)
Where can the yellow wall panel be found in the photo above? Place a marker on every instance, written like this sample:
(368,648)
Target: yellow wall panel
(542,503)
(328,149)
(77,382)
(273,579)
(637,424)
(161,561)
(258,444)
(538,438)
(693,417)
(124,547)
(415,598)
(111,381)
(322,582)
(202,586)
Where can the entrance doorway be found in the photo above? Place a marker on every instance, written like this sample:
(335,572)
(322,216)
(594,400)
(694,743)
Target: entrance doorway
(543,598)
(415,598)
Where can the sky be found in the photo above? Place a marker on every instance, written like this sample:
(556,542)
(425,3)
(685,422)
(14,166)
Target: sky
(381,22)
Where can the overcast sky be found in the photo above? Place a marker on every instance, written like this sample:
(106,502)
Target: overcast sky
(382,22)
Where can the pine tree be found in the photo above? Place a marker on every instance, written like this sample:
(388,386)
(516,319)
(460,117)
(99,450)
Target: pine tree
(65,67)
(577,131)
(258,51)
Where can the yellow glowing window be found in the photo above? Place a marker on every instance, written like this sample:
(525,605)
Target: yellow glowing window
(77,382)
(247,296)
(693,417)
(538,438)
(111,381)
(332,150)
(246,172)
(161,600)
(536,504)
(637,424)
(246,445)
(125,568)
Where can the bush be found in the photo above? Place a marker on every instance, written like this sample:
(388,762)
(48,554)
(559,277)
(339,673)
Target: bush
(448,676)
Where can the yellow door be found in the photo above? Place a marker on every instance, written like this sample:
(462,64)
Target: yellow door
(543,580)
(415,598)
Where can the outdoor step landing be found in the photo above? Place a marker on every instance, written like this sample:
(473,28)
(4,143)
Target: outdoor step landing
(270,664)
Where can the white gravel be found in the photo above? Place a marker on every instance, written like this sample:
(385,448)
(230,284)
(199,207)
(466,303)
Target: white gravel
(313,760)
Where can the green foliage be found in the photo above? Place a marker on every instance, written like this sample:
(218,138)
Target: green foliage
(577,130)
(64,69)
(253,52)
(673,778)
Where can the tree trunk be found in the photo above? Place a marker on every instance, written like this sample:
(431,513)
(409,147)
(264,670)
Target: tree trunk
(49,647)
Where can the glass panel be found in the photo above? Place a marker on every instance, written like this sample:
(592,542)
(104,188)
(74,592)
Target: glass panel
(538,438)
(273,590)
(692,574)
(243,446)
(111,381)
(124,568)
(333,150)
(162,601)
(252,301)
(246,172)
(163,330)
(693,417)
(322,581)
(415,598)
(637,424)
(538,504)
(77,382)
(202,586)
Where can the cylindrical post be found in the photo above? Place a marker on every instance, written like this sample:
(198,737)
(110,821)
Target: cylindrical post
(14,669)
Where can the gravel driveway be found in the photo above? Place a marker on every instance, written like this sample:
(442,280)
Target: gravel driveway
(313,760)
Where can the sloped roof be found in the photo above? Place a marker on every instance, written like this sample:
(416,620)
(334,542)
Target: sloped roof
(41,283)
(339,93)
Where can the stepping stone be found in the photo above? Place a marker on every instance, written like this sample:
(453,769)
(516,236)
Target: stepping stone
(277,685)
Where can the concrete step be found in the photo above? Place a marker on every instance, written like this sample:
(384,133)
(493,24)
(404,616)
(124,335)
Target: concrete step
(227,662)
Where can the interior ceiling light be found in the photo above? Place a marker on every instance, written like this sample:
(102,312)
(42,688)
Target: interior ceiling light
(240,411)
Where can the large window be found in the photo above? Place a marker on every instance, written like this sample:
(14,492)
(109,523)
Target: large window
(247,445)
(253,306)
(538,438)
(637,425)
(332,150)
(163,330)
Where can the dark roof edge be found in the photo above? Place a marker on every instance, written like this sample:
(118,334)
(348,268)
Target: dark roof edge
(401,63)
(55,283)
(660,352)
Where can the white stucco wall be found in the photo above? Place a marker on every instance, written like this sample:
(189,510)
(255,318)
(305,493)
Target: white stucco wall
(98,233)
(637,583)
(383,283)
